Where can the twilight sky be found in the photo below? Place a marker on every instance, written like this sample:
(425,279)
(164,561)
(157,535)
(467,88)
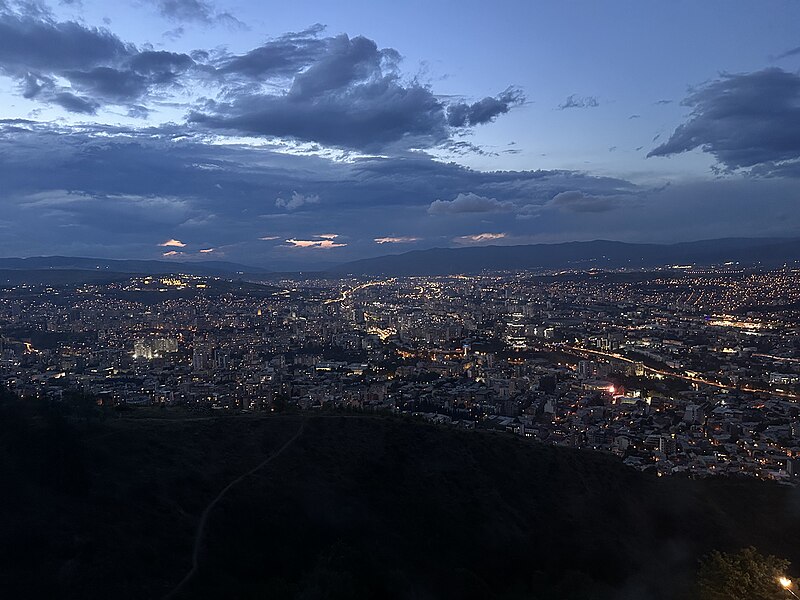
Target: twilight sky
(298,134)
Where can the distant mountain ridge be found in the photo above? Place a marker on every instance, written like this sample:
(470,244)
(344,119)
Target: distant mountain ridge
(602,254)
(154,267)
(771,252)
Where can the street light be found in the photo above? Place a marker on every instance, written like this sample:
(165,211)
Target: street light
(786,584)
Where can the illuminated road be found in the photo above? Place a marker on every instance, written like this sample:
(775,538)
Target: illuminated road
(778,358)
(678,375)
(350,292)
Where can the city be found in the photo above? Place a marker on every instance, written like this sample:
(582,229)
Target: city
(418,300)
(681,370)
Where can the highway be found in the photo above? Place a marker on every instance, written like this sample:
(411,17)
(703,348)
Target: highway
(615,356)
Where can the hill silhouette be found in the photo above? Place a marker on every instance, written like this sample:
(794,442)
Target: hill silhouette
(107,506)
(597,254)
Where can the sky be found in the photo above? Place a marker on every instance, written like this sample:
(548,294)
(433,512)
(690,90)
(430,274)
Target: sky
(302,134)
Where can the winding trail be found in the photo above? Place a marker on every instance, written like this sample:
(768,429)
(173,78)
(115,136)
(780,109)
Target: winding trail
(201,526)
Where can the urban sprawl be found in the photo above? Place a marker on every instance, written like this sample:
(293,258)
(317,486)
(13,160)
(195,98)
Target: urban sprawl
(679,370)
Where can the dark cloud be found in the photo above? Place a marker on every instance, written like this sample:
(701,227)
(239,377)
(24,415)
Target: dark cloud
(368,116)
(349,96)
(75,104)
(282,57)
(467,203)
(83,191)
(483,111)
(575,101)
(198,11)
(337,91)
(35,50)
(32,85)
(186,10)
(102,191)
(345,62)
(161,66)
(743,120)
(463,148)
(577,201)
(111,84)
(174,34)
(138,112)
(788,53)
(30,44)
(340,91)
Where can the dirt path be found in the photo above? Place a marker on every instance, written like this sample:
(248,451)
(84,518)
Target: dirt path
(201,526)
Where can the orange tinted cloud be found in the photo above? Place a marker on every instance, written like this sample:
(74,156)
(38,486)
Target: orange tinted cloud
(314,244)
(173,243)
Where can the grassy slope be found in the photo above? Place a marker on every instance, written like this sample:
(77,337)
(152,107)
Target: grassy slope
(356,508)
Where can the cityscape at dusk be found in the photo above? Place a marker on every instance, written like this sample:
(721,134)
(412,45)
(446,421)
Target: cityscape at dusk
(401,301)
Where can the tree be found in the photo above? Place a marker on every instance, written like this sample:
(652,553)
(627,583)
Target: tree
(743,575)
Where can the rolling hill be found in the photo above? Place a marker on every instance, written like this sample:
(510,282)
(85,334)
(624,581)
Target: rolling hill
(600,254)
(107,506)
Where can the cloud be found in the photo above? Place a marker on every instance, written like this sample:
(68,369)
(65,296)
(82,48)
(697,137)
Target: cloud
(172,243)
(207,250)
(467,203)
(575,101)
(314,244)
(337,91)
(92,200)
(38,44)
(198,11)
(75,104)
(79,191)
(284,56)
(175,34)
(172,253)
(483,111)
(395,240)
(269,238)
(41,54)
(788,53)
(479,238)
(350,95)
(576,201)
(296,201)
(746,120)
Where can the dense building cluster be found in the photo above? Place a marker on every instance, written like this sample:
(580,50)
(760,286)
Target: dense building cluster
(677,370)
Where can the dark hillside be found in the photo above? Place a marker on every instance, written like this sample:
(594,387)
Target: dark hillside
(356,507)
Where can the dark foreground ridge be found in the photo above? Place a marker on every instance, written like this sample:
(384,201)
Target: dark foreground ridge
(355,507)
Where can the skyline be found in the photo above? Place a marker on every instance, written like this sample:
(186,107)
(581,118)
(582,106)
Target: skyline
(317,135)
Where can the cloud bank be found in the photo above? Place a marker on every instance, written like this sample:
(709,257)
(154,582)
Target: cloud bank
(745,121)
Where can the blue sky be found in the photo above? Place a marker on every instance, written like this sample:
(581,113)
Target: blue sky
(307,133)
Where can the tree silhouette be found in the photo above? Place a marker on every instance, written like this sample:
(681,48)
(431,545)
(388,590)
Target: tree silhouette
(743,575)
